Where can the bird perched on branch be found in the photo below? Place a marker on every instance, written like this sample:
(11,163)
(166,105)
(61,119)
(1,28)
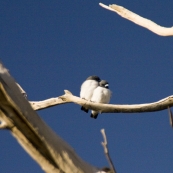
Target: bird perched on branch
(101,94)
(87,88)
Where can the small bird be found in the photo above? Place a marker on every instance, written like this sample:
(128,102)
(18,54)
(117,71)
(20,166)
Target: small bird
(101,94)
(87,88)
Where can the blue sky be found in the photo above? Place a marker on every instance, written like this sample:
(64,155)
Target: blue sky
(49,46)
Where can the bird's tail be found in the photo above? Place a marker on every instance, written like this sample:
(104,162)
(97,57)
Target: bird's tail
(94,114)
(84,109)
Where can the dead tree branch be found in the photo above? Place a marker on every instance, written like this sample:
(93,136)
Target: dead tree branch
(106,151)
(51,152)
(68,97)
(135,18)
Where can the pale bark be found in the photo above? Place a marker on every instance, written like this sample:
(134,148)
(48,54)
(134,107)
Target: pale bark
(146,23)
(104,108)
(51,152)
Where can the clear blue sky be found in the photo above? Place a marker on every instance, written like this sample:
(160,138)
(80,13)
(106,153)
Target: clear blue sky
(49,46)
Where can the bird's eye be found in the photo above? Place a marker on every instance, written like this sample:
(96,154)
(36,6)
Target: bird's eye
(106,86)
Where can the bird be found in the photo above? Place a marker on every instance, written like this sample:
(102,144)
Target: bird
(101,94)
(87,88)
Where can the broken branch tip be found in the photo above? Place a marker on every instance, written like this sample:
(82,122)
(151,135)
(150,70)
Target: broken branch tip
(67,92)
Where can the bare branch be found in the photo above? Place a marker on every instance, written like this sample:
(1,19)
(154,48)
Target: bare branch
(68,97)
(51,152)
(37,105)
(146,23)
(106,151)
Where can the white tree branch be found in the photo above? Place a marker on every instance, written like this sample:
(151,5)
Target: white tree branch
(146,23)
(68,97)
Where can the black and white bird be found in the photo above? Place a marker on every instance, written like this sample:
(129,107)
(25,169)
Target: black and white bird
(101,94)
(87,88)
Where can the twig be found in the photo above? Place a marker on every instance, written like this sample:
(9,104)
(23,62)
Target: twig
(146,23)
(104,144)
(22,90)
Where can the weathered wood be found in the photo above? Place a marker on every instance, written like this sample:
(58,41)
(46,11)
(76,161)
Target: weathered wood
(146,23)
(68,97)
(52,153)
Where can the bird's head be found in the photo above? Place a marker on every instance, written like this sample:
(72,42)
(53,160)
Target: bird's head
(96,78)
(104,84)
